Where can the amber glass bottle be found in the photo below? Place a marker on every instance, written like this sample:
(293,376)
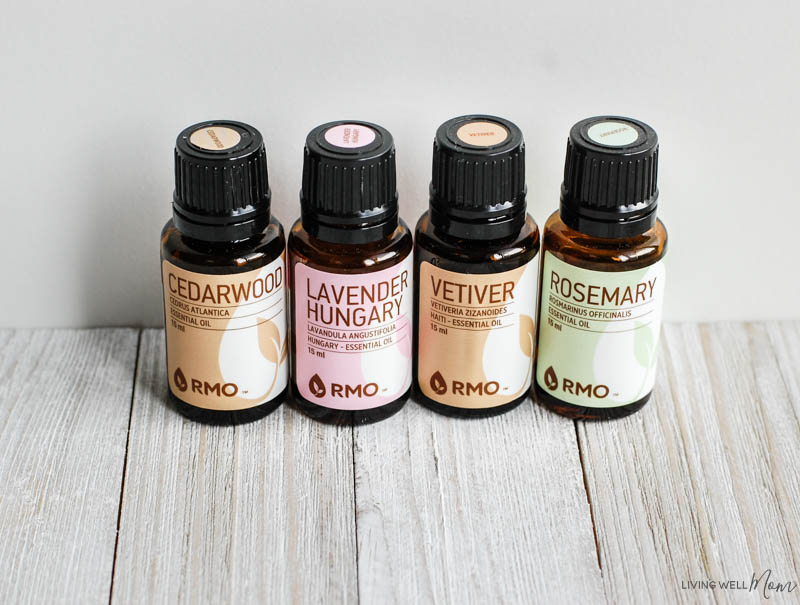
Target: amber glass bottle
(351,274)
(475,272)
(224,279)
(602,283)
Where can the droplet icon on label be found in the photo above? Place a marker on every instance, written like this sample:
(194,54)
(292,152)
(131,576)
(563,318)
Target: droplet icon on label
(316,386)
(438,383)
(550,379)
(180,380)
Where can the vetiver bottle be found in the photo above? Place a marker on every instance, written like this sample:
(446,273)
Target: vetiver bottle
(224,278)
(602,282)
(351,270)
(475,273)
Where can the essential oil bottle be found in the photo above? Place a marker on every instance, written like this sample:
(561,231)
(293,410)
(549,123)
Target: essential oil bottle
(475,272)
(223,268)
(602,283)
(351,275)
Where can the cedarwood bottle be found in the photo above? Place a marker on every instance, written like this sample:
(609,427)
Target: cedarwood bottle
(602,283)
(475,272)
(351,274)
(224,279)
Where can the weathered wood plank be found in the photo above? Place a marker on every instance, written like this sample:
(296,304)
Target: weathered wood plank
(65,399)
(700,485)
(784,337)
(257,513)
(765,438)
(473,511)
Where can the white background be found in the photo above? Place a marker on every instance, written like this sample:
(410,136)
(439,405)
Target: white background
(93,94)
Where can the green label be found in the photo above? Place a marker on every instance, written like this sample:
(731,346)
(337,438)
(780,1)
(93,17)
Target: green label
(598,333)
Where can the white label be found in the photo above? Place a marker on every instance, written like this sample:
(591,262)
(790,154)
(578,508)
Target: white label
(613,134)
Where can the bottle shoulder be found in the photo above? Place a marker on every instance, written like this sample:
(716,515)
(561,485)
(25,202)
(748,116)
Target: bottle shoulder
(222,257)
(487,256)
(604,254)
(347,258)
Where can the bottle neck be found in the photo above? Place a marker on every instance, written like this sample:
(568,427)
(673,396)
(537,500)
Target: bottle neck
(606,225)
(609,222)
(354,233)
(221,246)
(220,229)
(477,225)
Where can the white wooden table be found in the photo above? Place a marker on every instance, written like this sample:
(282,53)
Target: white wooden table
(107,494)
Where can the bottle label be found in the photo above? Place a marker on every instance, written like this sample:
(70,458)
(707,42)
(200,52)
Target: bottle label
(353,335)
(598,333)
(476,335)
(226,335)
(350,136)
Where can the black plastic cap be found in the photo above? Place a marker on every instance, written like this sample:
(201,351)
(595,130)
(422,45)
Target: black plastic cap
(221,183)
(610,184)
(478,181)
(349,190)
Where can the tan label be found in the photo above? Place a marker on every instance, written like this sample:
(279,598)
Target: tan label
(482,134)
(476,335)
(215,138)
(226,335)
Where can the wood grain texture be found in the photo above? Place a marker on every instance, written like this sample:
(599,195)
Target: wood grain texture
(761,436)
(784,337)
(257,513)
(473,511)
(65,399)
(701,484)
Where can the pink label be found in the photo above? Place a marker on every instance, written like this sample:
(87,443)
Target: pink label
(353,336)
(350,135)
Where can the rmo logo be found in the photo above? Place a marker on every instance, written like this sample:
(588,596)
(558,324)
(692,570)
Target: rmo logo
(461,387)
(202,387)
(598,391)
(317,387)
